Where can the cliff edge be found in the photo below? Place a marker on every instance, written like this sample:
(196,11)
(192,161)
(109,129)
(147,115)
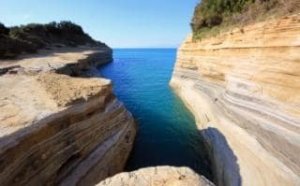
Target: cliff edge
(57,127)
(243,87)
(157,176)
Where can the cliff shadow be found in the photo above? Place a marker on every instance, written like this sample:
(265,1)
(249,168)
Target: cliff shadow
(225,167)
(49,51)
(83,68)
(86,68)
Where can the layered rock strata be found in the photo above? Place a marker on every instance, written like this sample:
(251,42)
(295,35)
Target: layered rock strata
(57,129)
(243,87)
(157,176)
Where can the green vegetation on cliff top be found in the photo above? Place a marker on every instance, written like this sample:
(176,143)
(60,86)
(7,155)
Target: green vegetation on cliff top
(213,16)
(32,37)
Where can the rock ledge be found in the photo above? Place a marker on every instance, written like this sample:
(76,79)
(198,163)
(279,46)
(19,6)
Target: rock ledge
(57,129)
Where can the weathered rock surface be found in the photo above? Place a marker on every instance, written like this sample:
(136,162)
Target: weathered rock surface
(157,176)
(243,87)
(57,129)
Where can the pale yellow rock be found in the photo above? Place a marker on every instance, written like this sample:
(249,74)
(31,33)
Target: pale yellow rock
(243,87)
(61,130)
(157,176)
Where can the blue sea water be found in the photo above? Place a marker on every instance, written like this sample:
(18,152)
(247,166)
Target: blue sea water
(167,134)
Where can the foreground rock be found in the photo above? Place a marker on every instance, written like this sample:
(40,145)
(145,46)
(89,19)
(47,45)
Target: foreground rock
(57,129)
(157,176)
(243,87)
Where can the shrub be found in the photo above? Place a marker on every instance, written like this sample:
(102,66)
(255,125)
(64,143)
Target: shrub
(224,13)
(69,27)
(3,30)
(32,37)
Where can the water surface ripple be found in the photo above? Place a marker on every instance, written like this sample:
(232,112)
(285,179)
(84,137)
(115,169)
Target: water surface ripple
(167,133)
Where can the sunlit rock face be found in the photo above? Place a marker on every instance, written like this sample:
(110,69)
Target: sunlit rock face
(158,176)
(57,129)
(243,87)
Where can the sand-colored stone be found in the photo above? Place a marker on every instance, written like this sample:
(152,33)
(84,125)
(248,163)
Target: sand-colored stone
(157,176)
(57,129)
(243,87)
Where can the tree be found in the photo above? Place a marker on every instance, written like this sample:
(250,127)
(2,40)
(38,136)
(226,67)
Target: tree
(3,29)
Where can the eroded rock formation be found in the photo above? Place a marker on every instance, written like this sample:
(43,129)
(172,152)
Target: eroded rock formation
(57,129)
(243,87)
(157,176)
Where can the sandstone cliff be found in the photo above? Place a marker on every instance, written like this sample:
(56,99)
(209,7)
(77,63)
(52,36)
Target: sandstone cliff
(157,176)
(57,129)
(243,87)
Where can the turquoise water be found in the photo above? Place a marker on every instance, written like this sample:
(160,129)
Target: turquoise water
(167,133)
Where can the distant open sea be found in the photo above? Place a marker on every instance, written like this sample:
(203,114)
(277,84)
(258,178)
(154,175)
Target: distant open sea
(167,133)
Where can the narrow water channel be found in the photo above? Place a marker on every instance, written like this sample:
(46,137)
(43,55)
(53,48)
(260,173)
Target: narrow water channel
(167,133)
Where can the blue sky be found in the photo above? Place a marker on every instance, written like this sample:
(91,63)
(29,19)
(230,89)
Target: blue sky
(119,23)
